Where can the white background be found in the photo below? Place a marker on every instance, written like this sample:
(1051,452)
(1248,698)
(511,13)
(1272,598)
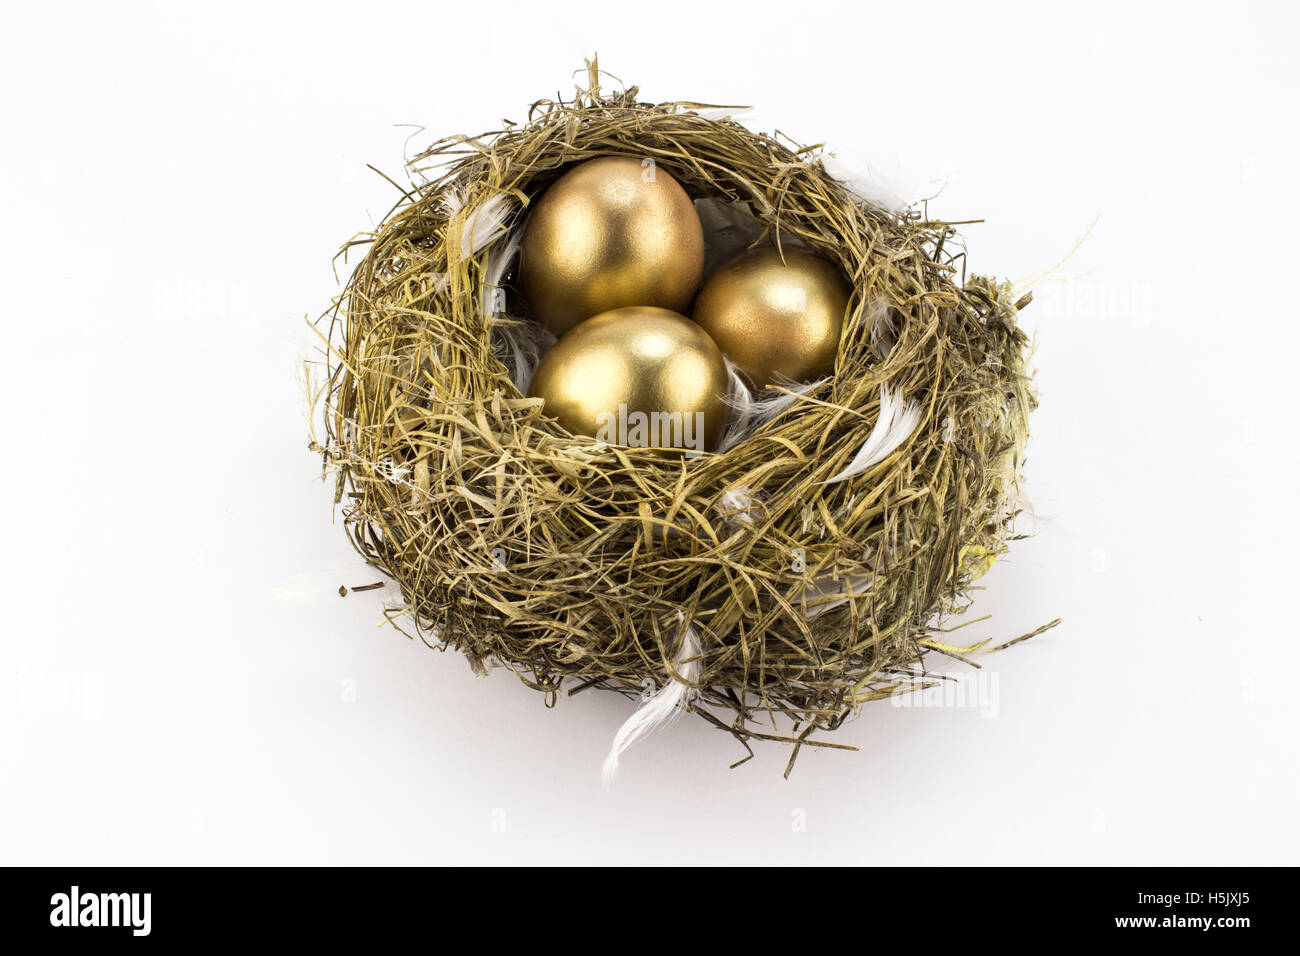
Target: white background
(177,668)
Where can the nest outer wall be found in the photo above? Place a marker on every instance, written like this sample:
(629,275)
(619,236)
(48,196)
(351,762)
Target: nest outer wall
(577,565)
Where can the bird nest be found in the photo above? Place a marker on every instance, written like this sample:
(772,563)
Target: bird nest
(807,568)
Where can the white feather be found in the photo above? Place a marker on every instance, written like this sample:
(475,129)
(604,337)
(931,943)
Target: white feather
(482,224)
(486,223)
(452,202)
(665,705)
(498,265)
(897,420)
(722,112)
(880,327)
(750,409)
(736,505)
(521,344)
(870,183)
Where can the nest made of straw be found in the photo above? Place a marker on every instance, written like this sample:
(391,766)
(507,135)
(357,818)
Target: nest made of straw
(580,565)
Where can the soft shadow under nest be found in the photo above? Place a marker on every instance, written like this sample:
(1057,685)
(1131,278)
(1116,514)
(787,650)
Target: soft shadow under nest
(577,565)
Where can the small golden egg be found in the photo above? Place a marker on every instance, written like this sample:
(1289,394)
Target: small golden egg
(637,376)
(776,319)
(614,231)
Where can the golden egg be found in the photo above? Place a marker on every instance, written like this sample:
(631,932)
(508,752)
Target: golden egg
(614,231)
(776,319)
(637,376)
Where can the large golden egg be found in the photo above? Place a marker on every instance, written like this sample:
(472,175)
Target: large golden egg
(776,319)
(612,232)
(638,376)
